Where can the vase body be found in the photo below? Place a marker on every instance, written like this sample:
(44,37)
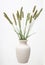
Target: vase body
(22,51)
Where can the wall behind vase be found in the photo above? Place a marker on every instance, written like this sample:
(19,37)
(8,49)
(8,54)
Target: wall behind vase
(9,39)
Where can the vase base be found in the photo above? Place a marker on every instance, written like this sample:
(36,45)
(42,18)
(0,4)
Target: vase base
(22,62)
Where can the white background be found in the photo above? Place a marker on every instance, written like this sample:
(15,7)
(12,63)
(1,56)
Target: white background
(9,39)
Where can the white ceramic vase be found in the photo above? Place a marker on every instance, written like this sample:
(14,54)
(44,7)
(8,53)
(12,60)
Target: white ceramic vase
(22,51)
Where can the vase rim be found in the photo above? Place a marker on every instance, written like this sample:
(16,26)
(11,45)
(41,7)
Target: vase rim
(23,41)
(19,39)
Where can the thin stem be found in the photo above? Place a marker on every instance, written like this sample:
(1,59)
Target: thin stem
(30,25)
(20,29)
(25,28)
(31,34)
(28,31)
(15,30)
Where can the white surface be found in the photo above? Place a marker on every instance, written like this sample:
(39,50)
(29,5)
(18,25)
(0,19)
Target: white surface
(9,39)
(23,51)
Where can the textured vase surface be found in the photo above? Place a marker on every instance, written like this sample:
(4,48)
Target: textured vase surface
(23,51)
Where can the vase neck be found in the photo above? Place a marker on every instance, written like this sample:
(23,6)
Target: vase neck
(23,41)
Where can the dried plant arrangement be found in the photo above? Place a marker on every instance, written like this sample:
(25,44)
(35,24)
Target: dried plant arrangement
(29,19)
